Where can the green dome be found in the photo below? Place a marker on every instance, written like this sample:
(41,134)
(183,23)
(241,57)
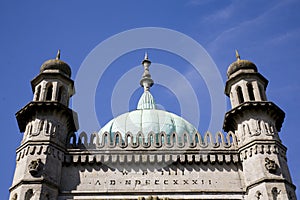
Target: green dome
(146,121)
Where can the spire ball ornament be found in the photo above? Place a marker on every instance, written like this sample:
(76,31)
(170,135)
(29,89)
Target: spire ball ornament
(146,81)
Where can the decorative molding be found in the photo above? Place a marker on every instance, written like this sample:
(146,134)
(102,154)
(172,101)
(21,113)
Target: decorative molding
(37,150)
(256,128)
(25,114)
(230,121)
(43,126)
(106,156)
(262,147)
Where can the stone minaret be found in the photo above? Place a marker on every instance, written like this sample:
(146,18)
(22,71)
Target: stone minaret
(256,123)
(46,122)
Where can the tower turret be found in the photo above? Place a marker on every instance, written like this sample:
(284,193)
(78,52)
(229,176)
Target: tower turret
(244,82)
(46,122)
(256,123)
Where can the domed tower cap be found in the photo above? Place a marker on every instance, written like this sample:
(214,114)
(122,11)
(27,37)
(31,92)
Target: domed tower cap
(240,65)
(56,64)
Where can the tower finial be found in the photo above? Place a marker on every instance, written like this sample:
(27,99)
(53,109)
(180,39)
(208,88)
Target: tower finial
(146,81)
(58,54)
(237,55)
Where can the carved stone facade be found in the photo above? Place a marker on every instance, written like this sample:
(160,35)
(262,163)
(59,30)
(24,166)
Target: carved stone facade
(247,162)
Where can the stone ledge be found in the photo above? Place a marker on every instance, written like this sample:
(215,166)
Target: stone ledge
(152,157)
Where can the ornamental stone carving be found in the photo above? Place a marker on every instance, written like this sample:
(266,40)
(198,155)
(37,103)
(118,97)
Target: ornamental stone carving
(270,165)
(35,166)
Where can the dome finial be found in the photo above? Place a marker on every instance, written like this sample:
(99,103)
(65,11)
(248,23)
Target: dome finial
(146,101)
(146,81)
(58,55)
(237,55)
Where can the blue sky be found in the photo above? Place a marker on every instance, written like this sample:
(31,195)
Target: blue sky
(265,32)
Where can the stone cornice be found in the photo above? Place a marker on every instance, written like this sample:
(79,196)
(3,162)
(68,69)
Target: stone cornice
(25,114)
(37,181)
(180,156)
(262,142)
(261,149)
(40,150)
(269,107)
(270,180)
(36,143)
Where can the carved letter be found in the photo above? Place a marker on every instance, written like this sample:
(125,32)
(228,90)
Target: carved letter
(137,182)
(112,182)
(127,182)
(175,182)
(145,172)
(194,182)
(156,182)
(185,182)
(97,182)
(166,182)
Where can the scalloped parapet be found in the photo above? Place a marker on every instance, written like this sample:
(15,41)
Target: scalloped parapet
(152,140)
(152,148)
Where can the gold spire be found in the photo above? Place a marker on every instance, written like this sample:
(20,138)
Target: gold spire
(58,55)
(237,55)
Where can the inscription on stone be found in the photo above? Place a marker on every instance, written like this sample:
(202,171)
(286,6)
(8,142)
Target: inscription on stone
(155,182)
(150,179)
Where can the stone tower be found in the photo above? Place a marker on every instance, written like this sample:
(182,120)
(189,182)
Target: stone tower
(46,123)
(256,122)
